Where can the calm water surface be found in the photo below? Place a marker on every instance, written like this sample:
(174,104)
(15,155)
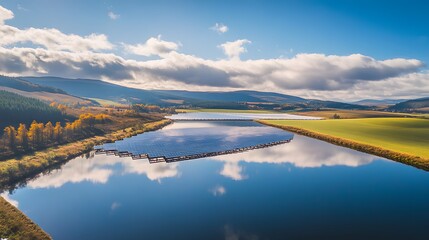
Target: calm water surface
(305,189)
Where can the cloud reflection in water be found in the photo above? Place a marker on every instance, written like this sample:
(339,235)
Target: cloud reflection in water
(301,152)
(100,168)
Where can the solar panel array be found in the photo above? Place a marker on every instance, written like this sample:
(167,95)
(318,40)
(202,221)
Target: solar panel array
(177,142)
(236,116)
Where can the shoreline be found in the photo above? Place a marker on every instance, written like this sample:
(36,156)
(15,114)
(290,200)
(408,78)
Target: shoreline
(14,224)
(13,171)
(404,158)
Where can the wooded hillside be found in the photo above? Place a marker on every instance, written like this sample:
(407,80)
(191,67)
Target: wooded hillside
(15,108)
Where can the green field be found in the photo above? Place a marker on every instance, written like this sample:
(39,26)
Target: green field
(403,135)
(348,114)
(225,110)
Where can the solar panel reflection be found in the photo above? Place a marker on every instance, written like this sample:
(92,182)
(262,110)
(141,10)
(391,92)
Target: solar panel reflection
(175,144)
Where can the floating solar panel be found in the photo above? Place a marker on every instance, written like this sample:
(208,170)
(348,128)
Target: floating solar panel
(201,116)
(182,141)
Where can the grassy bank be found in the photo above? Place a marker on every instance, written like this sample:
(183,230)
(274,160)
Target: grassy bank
(349,114)
(15,225)
(404,140)
(15,170)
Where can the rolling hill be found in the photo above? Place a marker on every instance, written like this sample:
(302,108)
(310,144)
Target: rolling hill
(235,96)
(382,102)
(415,105)
(44,93)
(102,90)
(97,89)
(20,84)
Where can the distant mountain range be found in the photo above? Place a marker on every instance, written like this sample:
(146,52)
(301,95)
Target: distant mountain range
(94,91)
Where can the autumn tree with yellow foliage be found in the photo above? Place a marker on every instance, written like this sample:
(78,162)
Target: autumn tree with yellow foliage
(41,135)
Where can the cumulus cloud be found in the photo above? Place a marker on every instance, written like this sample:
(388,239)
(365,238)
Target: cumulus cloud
(112,15)
(303,72)
(36,61)
(49,38)
(53,39)
(220,28)
(234,49)
(5,14)
(153,46)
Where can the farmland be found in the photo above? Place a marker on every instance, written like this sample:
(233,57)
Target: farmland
(404,136)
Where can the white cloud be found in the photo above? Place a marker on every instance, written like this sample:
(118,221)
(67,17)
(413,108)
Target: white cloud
(220,28)
(53,39)
(153,46)
(112,15)
(5,14)
(304,75)
(234,49)
(49,38)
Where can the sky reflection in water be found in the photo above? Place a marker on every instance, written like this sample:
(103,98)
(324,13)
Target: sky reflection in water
(306,188)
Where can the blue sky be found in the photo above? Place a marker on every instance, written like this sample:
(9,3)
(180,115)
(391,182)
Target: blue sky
(380,30)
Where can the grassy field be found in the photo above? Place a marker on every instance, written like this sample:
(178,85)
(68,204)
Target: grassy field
(225,110)
(15,225)
(406,136)
(349,114)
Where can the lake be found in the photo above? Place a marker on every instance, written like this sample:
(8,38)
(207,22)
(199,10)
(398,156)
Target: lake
(304,189)
(236,116)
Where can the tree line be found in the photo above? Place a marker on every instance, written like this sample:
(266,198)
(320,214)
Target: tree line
(39,135)
(147,108)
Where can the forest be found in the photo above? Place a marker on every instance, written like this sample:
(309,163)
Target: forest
(39,135)
(15,108)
